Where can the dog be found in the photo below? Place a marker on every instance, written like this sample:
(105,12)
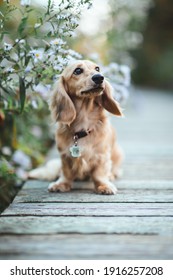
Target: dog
(85,137)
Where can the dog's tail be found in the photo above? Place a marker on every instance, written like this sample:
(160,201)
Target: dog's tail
(49,172)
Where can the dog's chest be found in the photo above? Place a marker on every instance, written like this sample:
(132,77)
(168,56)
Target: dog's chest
(84,164)
(82,146)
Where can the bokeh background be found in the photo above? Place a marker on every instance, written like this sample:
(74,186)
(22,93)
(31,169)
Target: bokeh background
(138,33)
(134,33)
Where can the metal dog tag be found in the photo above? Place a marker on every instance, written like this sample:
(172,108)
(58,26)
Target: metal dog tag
(75,151)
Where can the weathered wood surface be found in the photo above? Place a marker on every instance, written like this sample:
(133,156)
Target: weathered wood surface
(128,191)
(41,225)
(128,195)
(33,185)
(88,209)
(137,223)
(95,246)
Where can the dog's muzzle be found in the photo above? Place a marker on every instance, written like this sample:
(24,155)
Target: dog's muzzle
(97,88)
(94,90)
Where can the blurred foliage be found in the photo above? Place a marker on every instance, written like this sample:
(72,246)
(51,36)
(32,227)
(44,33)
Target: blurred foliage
(33,47)
(141,35)
(154,57)
(6,172)
(33,52)
(127,20)
(7,181)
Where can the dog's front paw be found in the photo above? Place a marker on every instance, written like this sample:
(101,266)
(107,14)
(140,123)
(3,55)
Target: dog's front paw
(59,187)
(108,189)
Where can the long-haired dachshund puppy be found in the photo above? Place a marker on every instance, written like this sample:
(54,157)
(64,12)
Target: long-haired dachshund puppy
(85,138)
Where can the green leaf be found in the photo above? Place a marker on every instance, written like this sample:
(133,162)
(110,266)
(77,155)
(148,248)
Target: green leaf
(22,25)
(22,93)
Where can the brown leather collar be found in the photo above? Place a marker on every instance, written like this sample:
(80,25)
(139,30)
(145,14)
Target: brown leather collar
(82,133)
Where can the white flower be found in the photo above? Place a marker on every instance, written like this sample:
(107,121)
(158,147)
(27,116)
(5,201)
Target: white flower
(6,151)
(60,31)
(57,67)
(74,54)
(125,70)
(74,21)
(7,47)
(114,66)
(37,55)
(61,17)
(50,53)
(21,55)
(34,104)
(28,69)
(121,93)
(61,60)
(20,41)
(37,25)
(57,42)
(20,158)
(54,42)
(9,70)
(25,2)
(119,76)
(69,59)
(71,33)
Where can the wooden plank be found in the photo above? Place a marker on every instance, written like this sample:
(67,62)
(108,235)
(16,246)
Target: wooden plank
(148,171)
(33,185)
(86,225)
(88,209)
(123,195)
(86,247)
(147,153)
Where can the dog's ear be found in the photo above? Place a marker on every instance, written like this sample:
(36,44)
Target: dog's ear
(61,106)
(109,103)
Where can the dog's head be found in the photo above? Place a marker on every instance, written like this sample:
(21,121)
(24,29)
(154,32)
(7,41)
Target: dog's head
(81,79)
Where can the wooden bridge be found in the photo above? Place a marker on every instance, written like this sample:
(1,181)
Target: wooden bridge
(137,223)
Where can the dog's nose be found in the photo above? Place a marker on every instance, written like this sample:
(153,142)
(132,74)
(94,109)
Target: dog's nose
(98,79)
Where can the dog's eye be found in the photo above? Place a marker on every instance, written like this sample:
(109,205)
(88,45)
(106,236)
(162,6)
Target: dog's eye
(97,69)
(78,71)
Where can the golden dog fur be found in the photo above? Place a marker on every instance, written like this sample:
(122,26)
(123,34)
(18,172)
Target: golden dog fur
(78,104)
